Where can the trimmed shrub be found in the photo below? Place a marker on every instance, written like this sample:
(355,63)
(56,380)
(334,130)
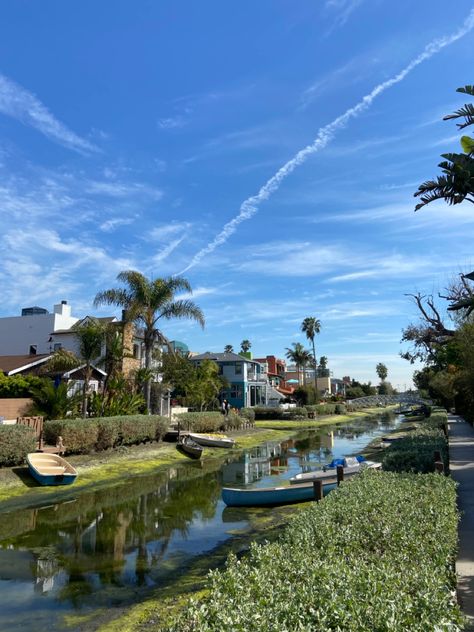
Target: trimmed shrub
(296,413)
(15,443)
(415,452)
(201,422)
(340,409)
(326,409)
(79,435)
(266,414)
(248,414)
(365,558)
(108,432)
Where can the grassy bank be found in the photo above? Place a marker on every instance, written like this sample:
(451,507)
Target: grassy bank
(107,468)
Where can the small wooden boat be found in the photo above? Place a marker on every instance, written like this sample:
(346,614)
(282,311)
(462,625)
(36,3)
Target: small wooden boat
(268,496)
(50,469)
(212,441)
(189,447)
(350,464)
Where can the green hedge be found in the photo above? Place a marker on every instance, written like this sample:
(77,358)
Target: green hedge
(81,436)
(201,422)
(210,421)
(264,414)
(340,409)
(15,443)
(415,452)
(377,554)
(248,414)
(296,413)
(326,409)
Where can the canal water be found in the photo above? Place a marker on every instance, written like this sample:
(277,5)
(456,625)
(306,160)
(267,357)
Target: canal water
(70,565)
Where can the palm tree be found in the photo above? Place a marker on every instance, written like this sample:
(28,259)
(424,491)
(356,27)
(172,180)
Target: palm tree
(147,301)
(90,336)
(312,326)
(456,185)
(297,355)
(245,345)
(228,349)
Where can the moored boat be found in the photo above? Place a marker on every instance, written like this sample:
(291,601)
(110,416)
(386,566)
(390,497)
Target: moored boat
(50,469)
(351,467)
(189,447)
(268,496)
(213,441)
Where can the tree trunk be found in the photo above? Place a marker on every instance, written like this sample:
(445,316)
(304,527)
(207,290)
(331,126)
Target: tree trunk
(315,369)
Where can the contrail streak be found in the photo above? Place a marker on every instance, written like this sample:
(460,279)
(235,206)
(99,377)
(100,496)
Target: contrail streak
(250,206)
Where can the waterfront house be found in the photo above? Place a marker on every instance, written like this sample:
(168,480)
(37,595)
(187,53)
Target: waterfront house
(248,384)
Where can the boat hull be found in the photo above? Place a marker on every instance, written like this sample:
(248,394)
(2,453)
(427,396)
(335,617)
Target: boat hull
(321,475)
(190,448)
(50,469)
(212,442)
(271,496)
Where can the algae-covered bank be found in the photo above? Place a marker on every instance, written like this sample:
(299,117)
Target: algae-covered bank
(143,527)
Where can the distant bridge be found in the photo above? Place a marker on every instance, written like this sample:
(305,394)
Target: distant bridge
(410,397)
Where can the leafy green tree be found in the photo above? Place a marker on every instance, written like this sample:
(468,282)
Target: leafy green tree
(203,390)
(311,327)
(146,302)
(90,336)
(53,402)
(229,349)
(178,372)
(323,362)
(381,371)
(456,185)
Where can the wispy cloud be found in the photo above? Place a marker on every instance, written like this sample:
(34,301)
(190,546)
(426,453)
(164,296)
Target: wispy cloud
(343,9)
(111,224)
(19,103)
(172,122)
(251,205)
(120,189)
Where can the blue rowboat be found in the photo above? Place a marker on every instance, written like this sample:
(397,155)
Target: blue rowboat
(261,496)
(50,469)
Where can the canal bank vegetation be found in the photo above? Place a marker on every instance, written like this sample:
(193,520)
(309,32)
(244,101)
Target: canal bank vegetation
(376,554)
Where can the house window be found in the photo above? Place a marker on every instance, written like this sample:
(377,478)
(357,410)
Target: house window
(136,351)
(33,349)
(238,368)
(57,346)
(236,391)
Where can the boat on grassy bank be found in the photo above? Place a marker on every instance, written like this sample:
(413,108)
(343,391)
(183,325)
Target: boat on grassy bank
(189,447)
(351,466)
(50,469)
(212,441)
(272,496)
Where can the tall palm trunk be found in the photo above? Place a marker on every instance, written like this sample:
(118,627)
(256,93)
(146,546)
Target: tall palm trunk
(315,369)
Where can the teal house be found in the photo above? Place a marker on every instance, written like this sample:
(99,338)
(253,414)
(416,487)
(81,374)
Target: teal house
(248,384)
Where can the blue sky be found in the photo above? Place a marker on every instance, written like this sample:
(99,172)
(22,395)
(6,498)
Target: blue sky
(146,136)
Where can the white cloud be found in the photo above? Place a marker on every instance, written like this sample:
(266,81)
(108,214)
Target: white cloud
(17,102)
(111,224)
(172,122)
(251,205)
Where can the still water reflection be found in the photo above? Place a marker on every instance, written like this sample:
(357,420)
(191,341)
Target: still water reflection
(108,548)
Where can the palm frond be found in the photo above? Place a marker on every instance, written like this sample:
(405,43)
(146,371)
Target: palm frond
(466,90)
(466,112)
(183,309)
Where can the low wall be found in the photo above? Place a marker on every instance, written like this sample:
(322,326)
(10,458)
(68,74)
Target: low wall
(13,408)
(177,410)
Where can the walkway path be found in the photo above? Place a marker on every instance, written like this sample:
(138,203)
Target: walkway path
(461,452)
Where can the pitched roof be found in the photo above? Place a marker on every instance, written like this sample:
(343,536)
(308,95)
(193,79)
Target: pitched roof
(12,364)
(221,357)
